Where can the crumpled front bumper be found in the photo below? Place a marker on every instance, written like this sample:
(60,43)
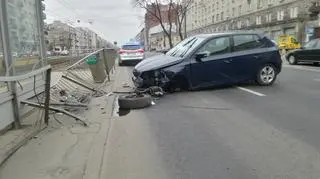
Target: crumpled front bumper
(138,82)
(148,80)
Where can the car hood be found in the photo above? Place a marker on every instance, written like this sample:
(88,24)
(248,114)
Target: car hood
(156,62)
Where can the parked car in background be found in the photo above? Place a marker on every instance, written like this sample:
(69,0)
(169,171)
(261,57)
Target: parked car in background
(212,59)
(131,54)
(308,53)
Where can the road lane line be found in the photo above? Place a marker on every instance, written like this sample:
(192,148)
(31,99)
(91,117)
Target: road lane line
(251,91)
(301,68)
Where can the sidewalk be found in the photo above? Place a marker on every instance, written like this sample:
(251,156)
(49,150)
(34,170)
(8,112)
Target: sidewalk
(68,151)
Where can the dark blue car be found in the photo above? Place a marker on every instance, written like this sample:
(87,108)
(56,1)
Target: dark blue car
(212,59)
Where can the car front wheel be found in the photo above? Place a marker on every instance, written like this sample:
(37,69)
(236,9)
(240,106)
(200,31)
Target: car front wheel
(292,60)
(266,75)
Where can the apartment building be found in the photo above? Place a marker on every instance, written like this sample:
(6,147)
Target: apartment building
(270,17)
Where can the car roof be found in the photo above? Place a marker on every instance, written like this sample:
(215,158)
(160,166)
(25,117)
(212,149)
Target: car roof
(223,34)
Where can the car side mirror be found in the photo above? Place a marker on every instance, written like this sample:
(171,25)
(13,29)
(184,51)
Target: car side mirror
(200,56)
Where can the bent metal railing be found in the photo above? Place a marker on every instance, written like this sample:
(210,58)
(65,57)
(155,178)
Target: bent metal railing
(76,80)
(80,70)
(13,94)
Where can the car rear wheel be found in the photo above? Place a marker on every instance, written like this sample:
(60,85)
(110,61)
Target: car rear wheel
(266,75)
(316,63)
(292,60)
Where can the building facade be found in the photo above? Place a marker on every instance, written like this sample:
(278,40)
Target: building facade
(75,39)
(270,17)
(61,35)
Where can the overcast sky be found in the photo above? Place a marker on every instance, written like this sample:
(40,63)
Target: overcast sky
(117,20)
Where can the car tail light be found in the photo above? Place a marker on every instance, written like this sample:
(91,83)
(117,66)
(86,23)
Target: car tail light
(122,51)
(140,51)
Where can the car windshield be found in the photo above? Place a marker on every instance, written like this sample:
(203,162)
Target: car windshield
(185,47)
(131,47)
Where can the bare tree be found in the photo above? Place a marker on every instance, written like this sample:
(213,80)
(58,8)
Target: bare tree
(181,9)
(166,20)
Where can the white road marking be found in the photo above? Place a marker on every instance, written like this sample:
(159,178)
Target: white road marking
(251,91)
(301,68)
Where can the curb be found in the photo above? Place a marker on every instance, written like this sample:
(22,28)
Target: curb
(95,158)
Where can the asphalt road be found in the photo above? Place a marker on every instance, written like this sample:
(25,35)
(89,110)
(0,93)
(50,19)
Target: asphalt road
(240,132)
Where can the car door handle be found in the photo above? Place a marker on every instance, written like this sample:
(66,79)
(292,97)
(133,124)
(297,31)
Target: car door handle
(227,61)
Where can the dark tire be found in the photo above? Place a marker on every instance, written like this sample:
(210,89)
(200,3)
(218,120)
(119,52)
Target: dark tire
(266,75)
(316,63)
(134,101)
(292,60)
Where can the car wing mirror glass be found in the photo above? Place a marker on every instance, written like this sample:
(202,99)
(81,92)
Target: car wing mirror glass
(199,56)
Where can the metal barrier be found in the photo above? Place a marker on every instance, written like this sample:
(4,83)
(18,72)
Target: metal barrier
(13,96)
(76,85)
(81,74)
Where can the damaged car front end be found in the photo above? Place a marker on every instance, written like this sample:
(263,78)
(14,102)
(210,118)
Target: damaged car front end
(168,70)
(162,76)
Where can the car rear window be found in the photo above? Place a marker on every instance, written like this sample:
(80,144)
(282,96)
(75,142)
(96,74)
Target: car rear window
(131,47)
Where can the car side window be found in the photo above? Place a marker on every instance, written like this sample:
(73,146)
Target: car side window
(246,42)
(318,44)
(217,46)
(311,45)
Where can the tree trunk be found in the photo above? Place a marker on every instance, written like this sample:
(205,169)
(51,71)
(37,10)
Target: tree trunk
(170,41)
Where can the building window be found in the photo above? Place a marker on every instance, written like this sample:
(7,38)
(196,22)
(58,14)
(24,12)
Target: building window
(294,12)
(280,15)
(240,8)
(212,19)
(222,14)
(270,2)
(239,24)
(218,17)
(269,17)
(248,22)
(233,12)
(258,20)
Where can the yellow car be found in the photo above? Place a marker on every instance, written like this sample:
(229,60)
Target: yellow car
(288,42)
